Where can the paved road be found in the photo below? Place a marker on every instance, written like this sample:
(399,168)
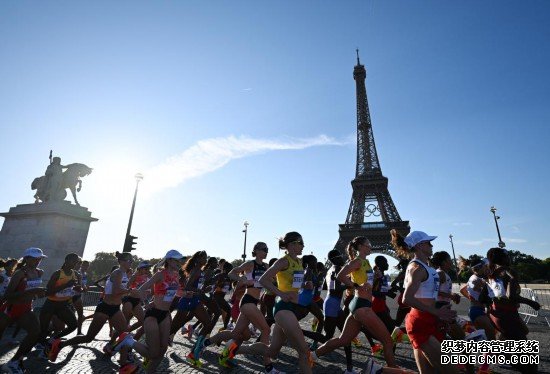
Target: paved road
(89,358)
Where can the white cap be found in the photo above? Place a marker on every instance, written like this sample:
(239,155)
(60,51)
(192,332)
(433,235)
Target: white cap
(34,252)
(173,254)
(416,237)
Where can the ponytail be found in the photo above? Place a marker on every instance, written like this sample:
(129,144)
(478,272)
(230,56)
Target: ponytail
(399,245)
(353,246)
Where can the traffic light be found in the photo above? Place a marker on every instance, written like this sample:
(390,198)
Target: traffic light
(129,243)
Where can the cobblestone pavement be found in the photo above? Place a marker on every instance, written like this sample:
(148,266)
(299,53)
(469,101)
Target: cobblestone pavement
(90,359)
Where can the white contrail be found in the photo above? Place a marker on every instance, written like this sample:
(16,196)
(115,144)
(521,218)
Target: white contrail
(211,154)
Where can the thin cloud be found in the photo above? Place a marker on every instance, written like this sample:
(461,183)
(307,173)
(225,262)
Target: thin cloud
(462,224)
(209,155)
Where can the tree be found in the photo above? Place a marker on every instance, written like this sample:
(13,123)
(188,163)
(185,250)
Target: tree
(102,264)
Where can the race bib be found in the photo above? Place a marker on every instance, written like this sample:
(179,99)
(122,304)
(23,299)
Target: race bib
(257,283)
(226,288)
(170,294)
(436,286)
(34,283)
(297,279)
(67,292)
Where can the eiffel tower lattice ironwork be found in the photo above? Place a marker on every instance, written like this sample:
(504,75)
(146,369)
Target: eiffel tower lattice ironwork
(370,197)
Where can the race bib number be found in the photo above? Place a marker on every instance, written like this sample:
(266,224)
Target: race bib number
(170,294)
(34,283)
(67,292)
(436,286)
(257,283)
(297,279)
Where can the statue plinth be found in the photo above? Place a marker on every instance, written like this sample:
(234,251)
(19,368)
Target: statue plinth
(57,227)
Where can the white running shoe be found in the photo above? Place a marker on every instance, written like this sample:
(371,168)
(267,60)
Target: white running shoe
(373,367)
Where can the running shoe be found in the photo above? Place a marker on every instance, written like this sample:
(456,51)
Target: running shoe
(198,348)
(146,362)
(230,349)
(226,363)
(12,367)
(356,342)
(313,346)
(231,326)
(54,350)
(399,336)
(128,368)
(194,361)
(314,324)
(39,346)
(377,350)
(183,330)
(372,367)
(124,339)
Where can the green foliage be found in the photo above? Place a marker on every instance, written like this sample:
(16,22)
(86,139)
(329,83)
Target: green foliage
(103,262)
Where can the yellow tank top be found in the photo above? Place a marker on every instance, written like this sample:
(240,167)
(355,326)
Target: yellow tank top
(292,278)
(65,293)
(363,274)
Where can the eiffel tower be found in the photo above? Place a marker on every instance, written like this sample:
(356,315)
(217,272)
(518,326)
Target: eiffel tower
(371,199)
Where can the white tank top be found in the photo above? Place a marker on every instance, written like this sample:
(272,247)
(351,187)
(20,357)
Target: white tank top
(446,287)
(471,287)
(109,284)
(430,287)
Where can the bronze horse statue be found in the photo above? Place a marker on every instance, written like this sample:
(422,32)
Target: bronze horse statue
(70,179)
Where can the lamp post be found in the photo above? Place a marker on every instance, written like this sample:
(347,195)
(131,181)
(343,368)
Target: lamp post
(245,233)
(129,241)
(454,258)
(501,244)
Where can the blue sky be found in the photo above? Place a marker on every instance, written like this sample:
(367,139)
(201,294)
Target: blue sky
(245,110)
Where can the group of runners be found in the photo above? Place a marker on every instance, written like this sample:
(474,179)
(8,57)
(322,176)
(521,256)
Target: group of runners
(268,300)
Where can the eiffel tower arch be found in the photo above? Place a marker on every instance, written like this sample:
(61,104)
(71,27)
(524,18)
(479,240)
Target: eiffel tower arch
(372,212)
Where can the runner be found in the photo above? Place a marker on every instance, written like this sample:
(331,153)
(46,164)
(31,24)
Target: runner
(157,321)
(25,285)
(443,263)
(267,300)
(249,313)
(361,314)
(131,303)
(290,275)
(423,323)
(108,309)
(59,291)
(334,314)
(504,290)
(473,290)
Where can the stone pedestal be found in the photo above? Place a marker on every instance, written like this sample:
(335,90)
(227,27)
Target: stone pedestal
(58,228)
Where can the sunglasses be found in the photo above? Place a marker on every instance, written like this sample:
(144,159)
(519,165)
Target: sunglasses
(263,249)
(301,242)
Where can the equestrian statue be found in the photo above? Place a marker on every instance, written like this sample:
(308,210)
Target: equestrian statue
(52,185)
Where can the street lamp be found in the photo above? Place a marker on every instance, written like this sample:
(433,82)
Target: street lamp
(245,232)
(129,241)
(501,244)
(454,257)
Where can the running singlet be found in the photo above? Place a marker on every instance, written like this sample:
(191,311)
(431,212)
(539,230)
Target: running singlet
(364,274)
(168,287)
(109,284)
(256,273)
(471,286)
(292,278)
(333,284)
(446,287)
(138,281)
(430,287)
(67,292)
